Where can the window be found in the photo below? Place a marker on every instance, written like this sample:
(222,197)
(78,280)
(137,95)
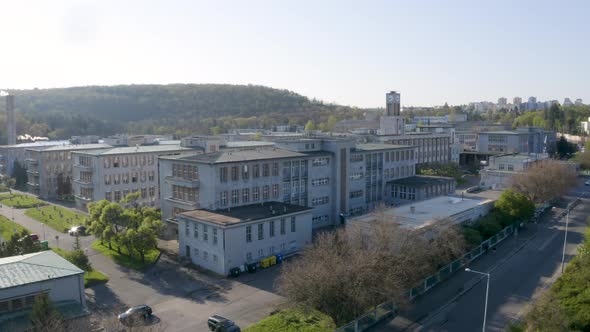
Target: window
(248,233)
(152,191)
(245,174)
(320,181)
(322,161)
(205,233)
(275,169)
(234,173)
(320,219)
(256,171)
(260,252)
(214,236)
(265,170)
(215,258)
(134,177)
(265,193)
(260,231)
(196,231)
(223,174)
(292,224)
(255,194)
(196,252)
(151,176)
(117,196)
(205,255)
(511,167)
(249,256)
(187,228)
(272,229)
(235,196)
(356,158)
(356,194)
(320,200)
(143,193)
(245,195)
(501,167)
(223,198)
(108,195)
(282,226)
(275,190)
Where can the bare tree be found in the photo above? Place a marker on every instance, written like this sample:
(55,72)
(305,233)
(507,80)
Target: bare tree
(544,180)
(346,272)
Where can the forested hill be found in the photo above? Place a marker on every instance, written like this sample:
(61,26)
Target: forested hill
(179,108)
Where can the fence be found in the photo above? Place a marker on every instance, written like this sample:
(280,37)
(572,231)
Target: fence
(387,309)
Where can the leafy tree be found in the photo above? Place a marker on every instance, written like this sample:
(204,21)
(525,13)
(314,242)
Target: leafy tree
(19,173)
(78,257)
(515,206)
(44,316)
(544,180)
(19,244)
(565,148)
(310,125)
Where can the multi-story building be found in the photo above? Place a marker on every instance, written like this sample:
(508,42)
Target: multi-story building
(334,176)
(501,169)
(49,169)
(114,172)
(227,239)
(430,147)
(467,139)
(418,188)
(11,153)
(521,140)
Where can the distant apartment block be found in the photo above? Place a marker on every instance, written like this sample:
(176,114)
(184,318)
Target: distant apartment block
(49,169)
(112,173)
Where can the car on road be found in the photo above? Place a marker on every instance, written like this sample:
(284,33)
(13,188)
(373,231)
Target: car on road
(587,183)
(135,314)
(221,324)
(77,230)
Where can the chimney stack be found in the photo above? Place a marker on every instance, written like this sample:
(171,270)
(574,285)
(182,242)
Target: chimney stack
(10,122)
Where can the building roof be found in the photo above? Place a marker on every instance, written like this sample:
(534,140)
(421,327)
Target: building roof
(243,155)
(380,146)
(521,157)
(252,212)
(426,212)
(35,267)
(503,132)
(134,149)
(422,180)
(72,147)
(35,144)
(245,144)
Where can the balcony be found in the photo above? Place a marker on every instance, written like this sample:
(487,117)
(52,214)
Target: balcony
(183,182)
(84,184)
(191,205)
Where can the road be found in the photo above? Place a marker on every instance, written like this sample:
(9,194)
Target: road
(182,298)
(521,269)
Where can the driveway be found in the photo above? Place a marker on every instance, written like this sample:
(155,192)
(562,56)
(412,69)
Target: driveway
(182,298)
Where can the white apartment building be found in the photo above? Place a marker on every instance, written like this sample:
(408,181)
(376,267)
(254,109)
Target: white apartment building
(230,238)
(49,169)
(114,172)
(501,169)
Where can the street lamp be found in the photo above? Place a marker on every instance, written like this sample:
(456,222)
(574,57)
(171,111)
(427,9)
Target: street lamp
(485,309)
(567,219)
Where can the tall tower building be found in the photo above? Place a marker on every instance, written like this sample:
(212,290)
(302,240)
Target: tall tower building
(391,122)
(10,123)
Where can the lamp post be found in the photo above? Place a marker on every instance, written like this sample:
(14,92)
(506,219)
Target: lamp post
(485,310)
(567,219)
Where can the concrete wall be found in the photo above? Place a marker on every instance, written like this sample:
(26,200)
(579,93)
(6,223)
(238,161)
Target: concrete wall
(69,288)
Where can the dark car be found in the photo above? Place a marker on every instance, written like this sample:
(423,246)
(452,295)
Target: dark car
(77,230)
(221,324)
(135,314)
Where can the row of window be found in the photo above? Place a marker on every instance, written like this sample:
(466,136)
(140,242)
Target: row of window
(202,231)
(320,200)
(245,171)
(510,167)
(403,192)
(205,254)
(243,195)
(399,155)
(356,194)
(271,251)
(116,195)
(185,194)
(320,181)
(396,172)
(184,171)
(321,161)
(125,161)
(128,177)
(320,219)
(271,229)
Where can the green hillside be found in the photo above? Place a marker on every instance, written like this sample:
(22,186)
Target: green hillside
(177,108)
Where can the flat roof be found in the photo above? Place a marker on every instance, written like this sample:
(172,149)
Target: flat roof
(243,155)
(521,157)
(503,132)
(36,144)
(35,267)
(134,149)
(422,180)
(245,144)
(72,147)
(380,146)
(426,212)
(244,213)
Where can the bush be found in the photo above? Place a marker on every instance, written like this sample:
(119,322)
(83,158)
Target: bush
(79,258)
(294,320)
(472,236)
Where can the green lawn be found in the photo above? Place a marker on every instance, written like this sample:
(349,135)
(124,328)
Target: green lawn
(7,227)
(124,259)
(56,217)
(19,201)
(294,320)
(91,278)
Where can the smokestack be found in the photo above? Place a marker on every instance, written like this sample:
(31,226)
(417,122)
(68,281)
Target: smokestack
(10,123)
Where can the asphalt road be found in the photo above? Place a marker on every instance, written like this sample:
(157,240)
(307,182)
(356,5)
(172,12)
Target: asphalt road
(182,298)
(522,268)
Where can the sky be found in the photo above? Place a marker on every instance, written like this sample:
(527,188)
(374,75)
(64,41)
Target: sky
(347,52)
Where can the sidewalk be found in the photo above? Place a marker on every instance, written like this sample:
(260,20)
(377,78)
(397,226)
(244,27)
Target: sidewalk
(431,305)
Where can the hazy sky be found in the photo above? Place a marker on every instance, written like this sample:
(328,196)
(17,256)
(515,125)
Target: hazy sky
(349,52)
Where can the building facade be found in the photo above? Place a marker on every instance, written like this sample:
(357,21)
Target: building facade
(521,140)
(418,188)
(114,172)
(501,169)
(49,169)
(430,147)
(225,239)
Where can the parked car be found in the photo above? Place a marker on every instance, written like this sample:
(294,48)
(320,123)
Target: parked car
(33,237)
(587,183)
(135,314)
(221,324)
(77,230)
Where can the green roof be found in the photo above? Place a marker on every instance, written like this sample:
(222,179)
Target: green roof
(30,268)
